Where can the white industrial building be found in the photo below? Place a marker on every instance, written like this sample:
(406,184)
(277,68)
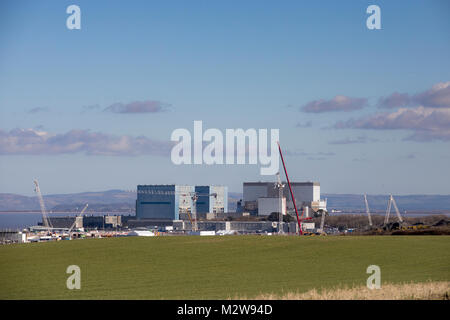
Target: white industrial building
(11,236)
(306,194)
(141,233)
(308,226)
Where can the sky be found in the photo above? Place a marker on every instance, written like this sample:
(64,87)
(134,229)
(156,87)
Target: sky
(358,110)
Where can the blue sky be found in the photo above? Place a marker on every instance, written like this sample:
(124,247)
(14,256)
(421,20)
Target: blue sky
(231,64)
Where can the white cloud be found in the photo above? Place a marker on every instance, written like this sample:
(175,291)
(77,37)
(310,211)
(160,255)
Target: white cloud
(338,103)
(394,100)
(359,139)
(147,106)
(436,97)
(36,142)
(427,124)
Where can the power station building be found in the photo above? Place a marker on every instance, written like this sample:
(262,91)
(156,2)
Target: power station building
(265,194)
(268,205)
(167,202)
(216,202)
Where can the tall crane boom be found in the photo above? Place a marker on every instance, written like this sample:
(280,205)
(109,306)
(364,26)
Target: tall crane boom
(322,222)
(75,222)
(45,219)
(194,197)
(391,202)
(399,217)
(367,209)
(388,210)
(292,194)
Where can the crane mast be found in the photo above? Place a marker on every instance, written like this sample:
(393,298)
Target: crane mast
(388,210)
(75,222)
(391,202)
(322,221)
(280,186)
(397,212)
(367,209)
(194,197)
(45,219)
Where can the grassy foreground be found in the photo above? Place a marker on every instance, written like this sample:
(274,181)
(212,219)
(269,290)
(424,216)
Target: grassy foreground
(216,267)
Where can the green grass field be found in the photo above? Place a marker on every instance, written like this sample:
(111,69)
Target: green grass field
(215,267)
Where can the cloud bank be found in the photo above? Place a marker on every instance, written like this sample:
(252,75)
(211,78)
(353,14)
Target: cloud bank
(338,103)
(394,100)
(306,124)
(38,109)
(359,139)
(426,123)
(426,114)
(436,97)
(309,155)
(147,106)
(35,142)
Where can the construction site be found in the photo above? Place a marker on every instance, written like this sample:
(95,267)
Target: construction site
(267,208)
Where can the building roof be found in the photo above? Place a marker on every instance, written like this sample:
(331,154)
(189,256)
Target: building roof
(260,183)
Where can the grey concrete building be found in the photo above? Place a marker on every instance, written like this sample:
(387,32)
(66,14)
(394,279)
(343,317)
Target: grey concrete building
(305,193)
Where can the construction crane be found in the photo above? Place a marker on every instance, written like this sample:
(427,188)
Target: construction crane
(190,218)
(322,222)
(193,196)
(391,202)
(367,210)
(280,186)
(75,222)
(292,194)
(45,219)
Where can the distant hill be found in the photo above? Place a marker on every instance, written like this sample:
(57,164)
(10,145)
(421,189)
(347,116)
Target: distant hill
(118,200)
(355,202)
(111,200)
(379,202)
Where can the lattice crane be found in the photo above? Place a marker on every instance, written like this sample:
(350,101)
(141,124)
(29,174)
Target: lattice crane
(75,222)
(322,221)
(391,202)
(194,196)
(45,219)
(367,209)
(280,186)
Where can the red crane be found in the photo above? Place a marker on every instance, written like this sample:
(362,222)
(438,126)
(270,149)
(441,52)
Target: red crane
(292,194)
